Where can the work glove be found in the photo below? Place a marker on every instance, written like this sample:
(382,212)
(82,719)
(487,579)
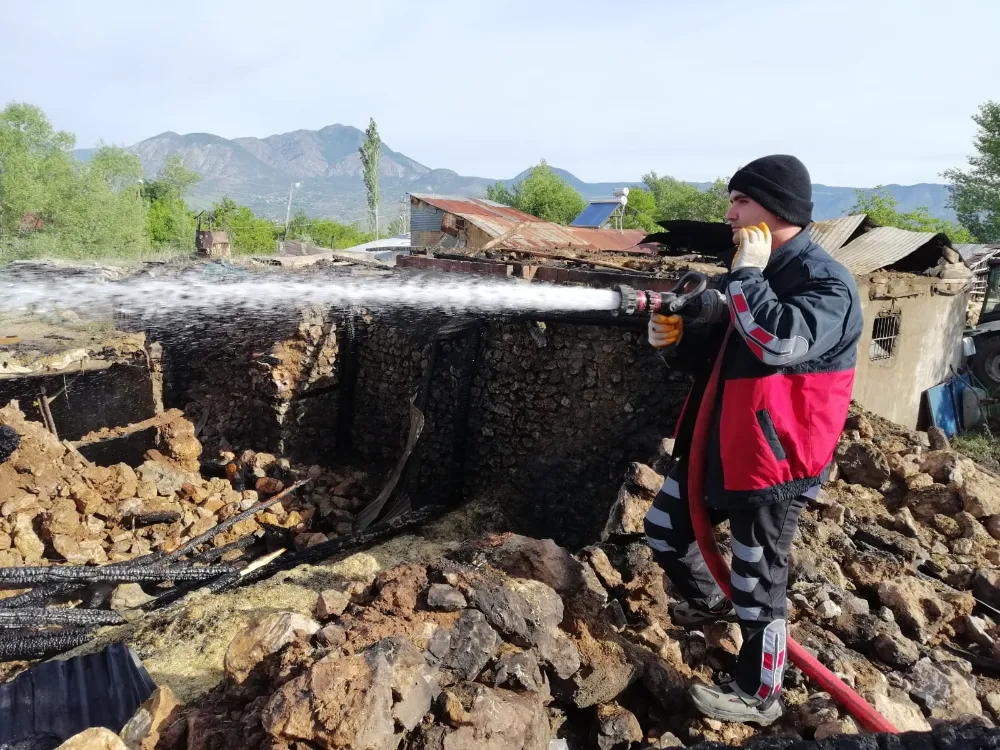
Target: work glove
(665,330)
(755,248)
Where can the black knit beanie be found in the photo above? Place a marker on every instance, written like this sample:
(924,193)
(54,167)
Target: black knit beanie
(779,183)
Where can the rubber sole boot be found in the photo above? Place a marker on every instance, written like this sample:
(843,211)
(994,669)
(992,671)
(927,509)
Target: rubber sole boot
(686,616)
(728,703)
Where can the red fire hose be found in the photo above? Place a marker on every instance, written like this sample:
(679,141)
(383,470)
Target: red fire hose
(704,532)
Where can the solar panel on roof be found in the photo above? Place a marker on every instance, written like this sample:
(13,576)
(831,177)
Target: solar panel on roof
(595,214)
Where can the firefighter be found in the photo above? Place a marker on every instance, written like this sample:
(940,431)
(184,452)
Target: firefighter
(772,385)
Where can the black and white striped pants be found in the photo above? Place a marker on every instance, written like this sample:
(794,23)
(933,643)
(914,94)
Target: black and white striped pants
(761,539)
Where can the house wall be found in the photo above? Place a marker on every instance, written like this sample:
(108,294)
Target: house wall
(929,343)
(425,224)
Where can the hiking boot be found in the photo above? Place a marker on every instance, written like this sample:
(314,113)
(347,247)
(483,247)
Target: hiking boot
(686,615)
(729,703)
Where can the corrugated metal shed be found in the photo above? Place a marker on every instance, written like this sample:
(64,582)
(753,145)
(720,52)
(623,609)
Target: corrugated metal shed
(883,246)
(531,232)
(833,234)
(64,698)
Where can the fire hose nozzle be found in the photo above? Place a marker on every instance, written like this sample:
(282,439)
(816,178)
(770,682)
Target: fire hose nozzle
(642,301)
(637,301)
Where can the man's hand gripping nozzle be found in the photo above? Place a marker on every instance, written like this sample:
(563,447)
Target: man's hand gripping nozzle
(690,301)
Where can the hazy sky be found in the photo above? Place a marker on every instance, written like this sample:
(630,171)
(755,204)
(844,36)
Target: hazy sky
(869,92)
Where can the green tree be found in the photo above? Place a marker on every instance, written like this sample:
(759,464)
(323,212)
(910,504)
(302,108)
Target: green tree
(370,153)
(640,211)
(176,176)
(975,194)
(326,232)
(36,168)
(499,193)
(541,193)
(248,233)
(681,200)
(880,206)
(169,221)
(100,210)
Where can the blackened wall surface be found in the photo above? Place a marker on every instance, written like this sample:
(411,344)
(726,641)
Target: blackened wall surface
(545,416)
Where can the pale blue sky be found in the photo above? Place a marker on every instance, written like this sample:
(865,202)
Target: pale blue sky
(864,92)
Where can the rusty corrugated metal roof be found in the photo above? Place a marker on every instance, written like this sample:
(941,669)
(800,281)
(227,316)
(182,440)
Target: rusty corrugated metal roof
(882,247)
(467,207)
(832,234)
(527,232)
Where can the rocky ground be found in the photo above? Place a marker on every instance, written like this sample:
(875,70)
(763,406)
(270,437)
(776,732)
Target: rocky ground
(503,641)
(57,507)
(454,639)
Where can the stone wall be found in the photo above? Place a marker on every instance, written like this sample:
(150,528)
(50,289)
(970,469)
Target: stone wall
(544,416)
(117,395)
(267,383)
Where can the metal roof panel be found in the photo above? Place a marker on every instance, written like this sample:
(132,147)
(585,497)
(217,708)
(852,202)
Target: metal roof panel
(64,698)
(974,254)
(881,247)
(532,233)
(833,233)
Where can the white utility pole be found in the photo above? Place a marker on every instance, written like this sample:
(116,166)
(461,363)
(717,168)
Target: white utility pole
(288,209)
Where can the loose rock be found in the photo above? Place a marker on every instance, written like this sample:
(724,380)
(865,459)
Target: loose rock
(338,703)
(864,464)
(617,728)
(265,637)
(473,644)
(97,738)
(446,598)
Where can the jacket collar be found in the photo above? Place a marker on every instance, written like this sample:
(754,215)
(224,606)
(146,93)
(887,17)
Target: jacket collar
(791,249)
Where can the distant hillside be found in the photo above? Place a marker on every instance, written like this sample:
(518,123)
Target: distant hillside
(258,172)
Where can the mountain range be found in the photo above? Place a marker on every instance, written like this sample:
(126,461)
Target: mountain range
(324,166)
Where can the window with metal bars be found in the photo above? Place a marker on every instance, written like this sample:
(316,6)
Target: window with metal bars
(885,331)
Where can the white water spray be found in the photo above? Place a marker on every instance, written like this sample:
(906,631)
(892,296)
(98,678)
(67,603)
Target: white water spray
(263,293)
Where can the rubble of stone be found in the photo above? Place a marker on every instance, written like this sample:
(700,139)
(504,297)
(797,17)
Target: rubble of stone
(512,642)
(57,507)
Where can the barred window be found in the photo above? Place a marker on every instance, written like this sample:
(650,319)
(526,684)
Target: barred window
(885,331)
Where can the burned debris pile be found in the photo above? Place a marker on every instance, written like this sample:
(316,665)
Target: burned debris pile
(99,542)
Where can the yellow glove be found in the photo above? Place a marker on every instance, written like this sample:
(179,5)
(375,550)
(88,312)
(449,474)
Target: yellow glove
(755,248)
(665,330)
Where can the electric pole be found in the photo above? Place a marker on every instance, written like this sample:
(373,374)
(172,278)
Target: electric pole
(288,209)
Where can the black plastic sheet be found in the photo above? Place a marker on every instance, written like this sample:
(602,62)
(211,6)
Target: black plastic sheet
(63,698)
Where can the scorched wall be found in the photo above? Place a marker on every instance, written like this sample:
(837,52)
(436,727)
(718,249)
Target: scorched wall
(543,416)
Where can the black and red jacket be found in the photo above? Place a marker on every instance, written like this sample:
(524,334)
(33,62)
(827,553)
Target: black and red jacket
(783,386)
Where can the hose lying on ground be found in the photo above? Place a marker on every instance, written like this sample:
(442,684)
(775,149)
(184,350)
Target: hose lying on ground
(704,533)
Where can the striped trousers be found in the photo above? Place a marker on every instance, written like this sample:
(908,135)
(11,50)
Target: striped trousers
(760,540)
